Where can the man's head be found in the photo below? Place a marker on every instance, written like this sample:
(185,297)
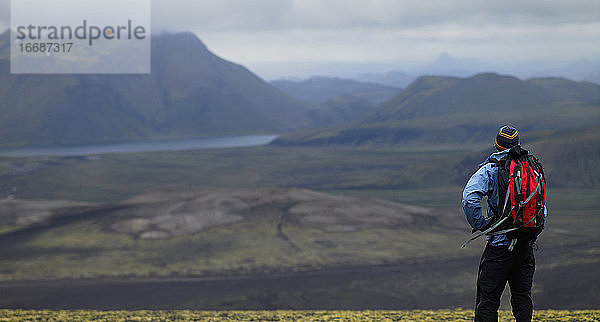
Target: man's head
(506,138)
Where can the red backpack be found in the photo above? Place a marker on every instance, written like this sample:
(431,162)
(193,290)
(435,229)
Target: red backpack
(522,197)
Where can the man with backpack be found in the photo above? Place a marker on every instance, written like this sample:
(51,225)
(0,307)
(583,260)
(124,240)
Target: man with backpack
(514,182)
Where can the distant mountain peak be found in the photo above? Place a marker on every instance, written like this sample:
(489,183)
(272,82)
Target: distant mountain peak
(445,56)
(391,78)
(491,76)
(180,35)
(322,78)
(186,39)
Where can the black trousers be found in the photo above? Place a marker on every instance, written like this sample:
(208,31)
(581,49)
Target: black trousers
(498,265)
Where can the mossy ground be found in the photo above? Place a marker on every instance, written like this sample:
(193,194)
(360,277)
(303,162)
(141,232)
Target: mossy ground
(413,315)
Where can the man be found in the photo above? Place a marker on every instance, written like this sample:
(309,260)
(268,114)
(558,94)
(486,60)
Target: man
(503,260)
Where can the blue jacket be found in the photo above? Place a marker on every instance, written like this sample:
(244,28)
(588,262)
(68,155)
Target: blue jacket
(484,182)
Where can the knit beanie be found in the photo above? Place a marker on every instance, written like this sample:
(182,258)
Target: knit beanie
(507,137)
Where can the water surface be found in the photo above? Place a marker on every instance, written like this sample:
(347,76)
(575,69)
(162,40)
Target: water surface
(144,146)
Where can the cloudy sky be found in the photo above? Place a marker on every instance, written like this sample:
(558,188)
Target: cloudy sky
(282,36)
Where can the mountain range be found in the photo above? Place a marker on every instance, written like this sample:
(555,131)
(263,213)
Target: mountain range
(193,92)
(440,109)
(448,65)
(391,78)
(190,92)
(319,89)
(340,101)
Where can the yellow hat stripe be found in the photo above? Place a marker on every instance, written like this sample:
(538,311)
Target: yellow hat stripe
(498,145)
(508,136)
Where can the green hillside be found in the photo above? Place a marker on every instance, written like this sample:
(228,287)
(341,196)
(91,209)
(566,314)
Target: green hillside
(341,110)
(466,110)
(561,89)
(191,92)
(570,159)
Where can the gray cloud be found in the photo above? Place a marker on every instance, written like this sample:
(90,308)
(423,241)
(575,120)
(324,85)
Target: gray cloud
(260,15)
(4,14)
(284,15)
(227,15)
(259,32)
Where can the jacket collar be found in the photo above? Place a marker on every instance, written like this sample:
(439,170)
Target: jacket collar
(494,157)
(515,152)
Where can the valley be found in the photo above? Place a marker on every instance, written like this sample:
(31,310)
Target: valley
(266,227)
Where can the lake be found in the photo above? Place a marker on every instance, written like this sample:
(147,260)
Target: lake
(144,146)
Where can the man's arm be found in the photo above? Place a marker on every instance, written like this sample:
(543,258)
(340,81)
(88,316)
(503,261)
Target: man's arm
(477,187)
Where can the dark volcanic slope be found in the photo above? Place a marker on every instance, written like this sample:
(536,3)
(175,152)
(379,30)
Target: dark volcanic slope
(424,285)
(215,232)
